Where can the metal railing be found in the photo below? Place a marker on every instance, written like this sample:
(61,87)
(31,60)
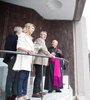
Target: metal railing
(37,55)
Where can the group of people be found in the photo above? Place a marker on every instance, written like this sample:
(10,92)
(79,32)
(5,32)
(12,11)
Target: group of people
(19,66)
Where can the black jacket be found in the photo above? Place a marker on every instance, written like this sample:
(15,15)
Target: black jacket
(52,49)
(10,44)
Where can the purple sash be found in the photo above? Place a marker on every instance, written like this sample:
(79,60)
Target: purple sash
(57,72)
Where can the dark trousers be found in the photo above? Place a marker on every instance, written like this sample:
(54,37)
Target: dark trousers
(38,78)
(22,83)
(12,78)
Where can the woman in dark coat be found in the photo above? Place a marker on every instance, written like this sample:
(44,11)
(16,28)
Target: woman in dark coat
(53,77)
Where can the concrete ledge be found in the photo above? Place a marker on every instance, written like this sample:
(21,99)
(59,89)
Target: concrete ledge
(82,98)
(3,75)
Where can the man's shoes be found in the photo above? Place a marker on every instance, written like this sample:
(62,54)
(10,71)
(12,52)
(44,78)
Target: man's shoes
(58,91)
(37,95)
(43,93)
(13,97)
(9,98)
(50,91)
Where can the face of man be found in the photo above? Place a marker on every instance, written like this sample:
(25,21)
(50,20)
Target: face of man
(43,35)
(54,43)
(19,31)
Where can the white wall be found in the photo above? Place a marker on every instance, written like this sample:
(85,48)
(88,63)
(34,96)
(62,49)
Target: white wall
(82,87)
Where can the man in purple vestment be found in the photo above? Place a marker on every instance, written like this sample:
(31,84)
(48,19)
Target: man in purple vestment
(53,78)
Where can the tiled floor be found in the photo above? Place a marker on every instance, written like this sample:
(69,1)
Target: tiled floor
(66,93)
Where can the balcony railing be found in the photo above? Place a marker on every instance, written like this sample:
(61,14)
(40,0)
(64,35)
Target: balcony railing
(38,55)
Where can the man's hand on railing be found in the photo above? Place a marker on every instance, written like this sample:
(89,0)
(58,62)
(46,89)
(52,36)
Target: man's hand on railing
(53,53)
(52,56)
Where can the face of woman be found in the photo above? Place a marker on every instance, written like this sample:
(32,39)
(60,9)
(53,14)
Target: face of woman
(31,29)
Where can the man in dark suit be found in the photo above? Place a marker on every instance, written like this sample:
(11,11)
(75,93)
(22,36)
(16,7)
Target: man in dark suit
(9,59)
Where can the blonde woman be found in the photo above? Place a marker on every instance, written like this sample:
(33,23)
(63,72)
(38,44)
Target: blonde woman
(23,62)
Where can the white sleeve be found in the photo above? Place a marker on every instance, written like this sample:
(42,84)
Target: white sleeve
(20,41)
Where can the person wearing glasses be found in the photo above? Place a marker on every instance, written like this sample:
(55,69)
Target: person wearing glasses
(53,77)
(41,49)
